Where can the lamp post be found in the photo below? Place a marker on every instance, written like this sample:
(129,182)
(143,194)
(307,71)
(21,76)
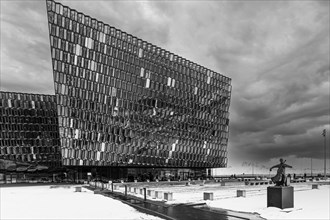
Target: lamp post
(311,167)
(252,169)
(325,154)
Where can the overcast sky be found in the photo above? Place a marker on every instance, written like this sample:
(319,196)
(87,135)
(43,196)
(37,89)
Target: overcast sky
(276,52)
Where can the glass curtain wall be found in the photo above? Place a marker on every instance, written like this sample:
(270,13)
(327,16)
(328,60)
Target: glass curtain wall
(29,128)
(122,101)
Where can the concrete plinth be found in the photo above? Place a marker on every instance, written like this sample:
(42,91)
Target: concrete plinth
(315,186)
(208,196)
(168,196)
(288,181)
(78,189)
(241,193)
(159,194)
(280,197)
(97,191)
(151,193)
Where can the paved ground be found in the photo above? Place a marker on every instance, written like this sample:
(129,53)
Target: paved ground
(177,211)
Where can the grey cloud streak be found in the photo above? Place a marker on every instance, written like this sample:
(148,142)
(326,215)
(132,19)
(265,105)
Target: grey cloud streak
(276,52)
(25,53)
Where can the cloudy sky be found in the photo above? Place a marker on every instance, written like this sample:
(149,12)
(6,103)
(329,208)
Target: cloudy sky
(276,52)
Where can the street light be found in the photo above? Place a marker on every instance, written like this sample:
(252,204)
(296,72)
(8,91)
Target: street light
(311,167)
(325,154)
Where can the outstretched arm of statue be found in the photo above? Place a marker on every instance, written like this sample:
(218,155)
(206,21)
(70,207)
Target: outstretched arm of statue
(273,167)
(286,165)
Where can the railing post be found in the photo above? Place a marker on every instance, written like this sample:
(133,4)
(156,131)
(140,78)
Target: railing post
(125,190)
(145,194)
(111,186)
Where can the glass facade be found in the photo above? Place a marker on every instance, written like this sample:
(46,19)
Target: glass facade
(123,101)
(29,128)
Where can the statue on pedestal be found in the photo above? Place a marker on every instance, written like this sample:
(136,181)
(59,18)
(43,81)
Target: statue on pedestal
(280,179)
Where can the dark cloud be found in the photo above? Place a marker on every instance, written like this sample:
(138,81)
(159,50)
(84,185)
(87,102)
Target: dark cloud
(276,52)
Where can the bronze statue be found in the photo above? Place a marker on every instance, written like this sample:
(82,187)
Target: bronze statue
(280,178)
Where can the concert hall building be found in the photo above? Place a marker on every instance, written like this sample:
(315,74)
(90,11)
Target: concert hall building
(122,108)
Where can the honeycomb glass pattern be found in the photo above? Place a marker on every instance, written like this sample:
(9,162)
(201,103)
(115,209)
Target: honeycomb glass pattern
(29,128)
(122,101)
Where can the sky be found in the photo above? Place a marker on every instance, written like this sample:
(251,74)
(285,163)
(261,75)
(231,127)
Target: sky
(276,53)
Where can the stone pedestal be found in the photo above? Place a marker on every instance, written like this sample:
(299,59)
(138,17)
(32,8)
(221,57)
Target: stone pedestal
(241,193)
(280,197)
(151,193)
(97,191)
(315,186)
(288,181)
(208,196)
(78,189)
(168,196)
(159,194)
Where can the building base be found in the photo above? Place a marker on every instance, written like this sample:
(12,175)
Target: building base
(131,174)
